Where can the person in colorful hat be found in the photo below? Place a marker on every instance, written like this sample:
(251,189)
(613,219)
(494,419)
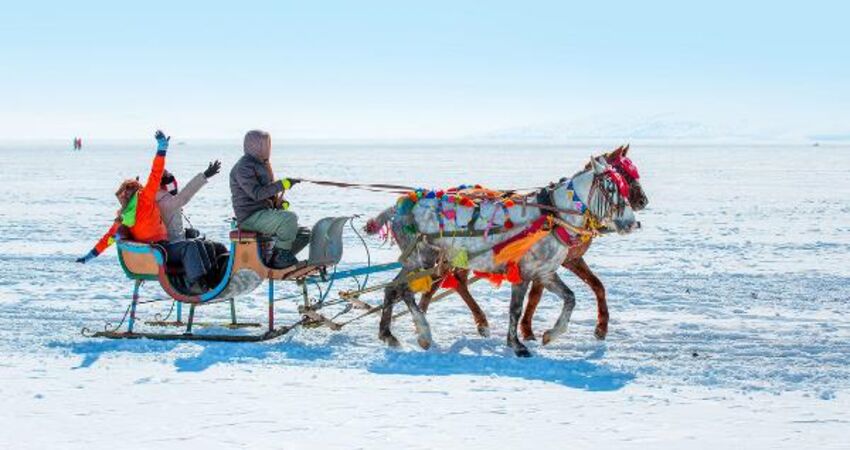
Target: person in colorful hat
(139,219)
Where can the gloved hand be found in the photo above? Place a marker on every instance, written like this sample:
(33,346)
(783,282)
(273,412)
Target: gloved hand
(88,257)
(287,183)
(161,141)
(213,169)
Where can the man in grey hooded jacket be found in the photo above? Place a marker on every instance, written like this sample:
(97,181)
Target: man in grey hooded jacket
(258,198)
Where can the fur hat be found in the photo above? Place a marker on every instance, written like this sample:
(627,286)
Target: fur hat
(126,190)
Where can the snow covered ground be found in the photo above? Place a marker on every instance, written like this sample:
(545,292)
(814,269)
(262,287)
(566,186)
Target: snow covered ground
(729,324)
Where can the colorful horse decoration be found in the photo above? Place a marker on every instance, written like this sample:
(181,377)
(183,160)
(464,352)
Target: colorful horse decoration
(574,262)
(501,237)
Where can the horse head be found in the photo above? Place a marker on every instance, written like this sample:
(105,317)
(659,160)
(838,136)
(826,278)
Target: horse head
(619,160)
(606,194)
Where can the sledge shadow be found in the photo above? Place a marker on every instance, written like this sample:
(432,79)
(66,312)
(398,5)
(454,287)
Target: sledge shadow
(91,351)
(576,373)
(211,353)
(227,352)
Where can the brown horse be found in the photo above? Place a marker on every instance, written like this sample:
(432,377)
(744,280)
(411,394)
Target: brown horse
(574,262)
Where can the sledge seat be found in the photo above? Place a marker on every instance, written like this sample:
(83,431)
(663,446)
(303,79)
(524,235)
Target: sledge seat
(139,260)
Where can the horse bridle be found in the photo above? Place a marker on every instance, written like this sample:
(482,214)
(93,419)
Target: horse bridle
(606,202)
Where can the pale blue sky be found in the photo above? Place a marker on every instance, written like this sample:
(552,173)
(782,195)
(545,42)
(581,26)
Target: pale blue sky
(418,69)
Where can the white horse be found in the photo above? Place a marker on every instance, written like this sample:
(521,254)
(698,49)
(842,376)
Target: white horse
(436,230)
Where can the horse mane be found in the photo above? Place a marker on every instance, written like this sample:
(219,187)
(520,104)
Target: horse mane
(614,154)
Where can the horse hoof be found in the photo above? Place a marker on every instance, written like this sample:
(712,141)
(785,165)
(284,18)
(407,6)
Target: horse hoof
(547,337)
(424,343)
(522,352)
(600,332)
(484,331)
(391,341)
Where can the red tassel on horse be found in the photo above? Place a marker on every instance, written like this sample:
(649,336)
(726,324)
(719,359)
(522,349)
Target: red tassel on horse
(512,273)
(449,281)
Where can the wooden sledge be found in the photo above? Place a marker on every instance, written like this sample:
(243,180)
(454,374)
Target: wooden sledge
(245,272)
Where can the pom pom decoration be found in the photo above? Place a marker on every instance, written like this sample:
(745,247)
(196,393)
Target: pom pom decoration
(421,284)
(372,227)
(508,224)
(449,281)
(460,259)
(509,203)
(404,206)
(512,274)
(495,279)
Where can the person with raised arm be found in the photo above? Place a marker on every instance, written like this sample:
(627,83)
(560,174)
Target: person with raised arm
(171,200)
(139,219)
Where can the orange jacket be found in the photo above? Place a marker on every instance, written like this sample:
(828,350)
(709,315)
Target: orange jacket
(147,225)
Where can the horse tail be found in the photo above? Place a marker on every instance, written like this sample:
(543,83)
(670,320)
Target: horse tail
(375,224)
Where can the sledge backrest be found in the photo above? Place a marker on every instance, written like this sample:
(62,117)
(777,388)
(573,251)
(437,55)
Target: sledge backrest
(140,261)
(326,241)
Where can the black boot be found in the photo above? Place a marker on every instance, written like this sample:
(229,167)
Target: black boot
(282,259)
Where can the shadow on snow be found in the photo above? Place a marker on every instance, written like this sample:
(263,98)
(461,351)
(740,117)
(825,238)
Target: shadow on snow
(465,357)
(577,373)
(211,353)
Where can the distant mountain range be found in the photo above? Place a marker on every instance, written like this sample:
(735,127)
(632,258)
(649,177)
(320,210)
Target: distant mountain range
(657,128)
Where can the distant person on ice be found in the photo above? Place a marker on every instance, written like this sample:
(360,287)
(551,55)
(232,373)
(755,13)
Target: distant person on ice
(139,217)
(171,201)
(258,200)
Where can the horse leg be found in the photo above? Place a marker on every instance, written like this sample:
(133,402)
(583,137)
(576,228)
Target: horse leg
(477,314)
(423,330)
(384,331)
(518,292)
(425,301)
(533,300)
(556,285)
(582,270)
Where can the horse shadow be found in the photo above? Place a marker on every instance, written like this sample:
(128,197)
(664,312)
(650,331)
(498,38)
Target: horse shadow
(465,358)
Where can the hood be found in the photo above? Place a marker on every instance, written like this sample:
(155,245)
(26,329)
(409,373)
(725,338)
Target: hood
(258,144)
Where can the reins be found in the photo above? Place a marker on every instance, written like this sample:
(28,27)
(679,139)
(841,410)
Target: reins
(374,187)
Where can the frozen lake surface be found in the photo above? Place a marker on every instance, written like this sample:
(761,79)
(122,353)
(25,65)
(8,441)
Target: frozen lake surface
(729,319)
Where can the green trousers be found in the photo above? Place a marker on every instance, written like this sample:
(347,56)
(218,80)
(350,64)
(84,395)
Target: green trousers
(282,225)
